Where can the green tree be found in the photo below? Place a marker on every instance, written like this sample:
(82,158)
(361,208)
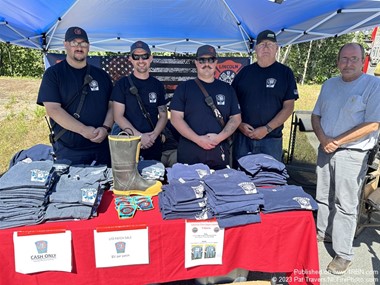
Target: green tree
(322,59)
(19,61)
(312,63)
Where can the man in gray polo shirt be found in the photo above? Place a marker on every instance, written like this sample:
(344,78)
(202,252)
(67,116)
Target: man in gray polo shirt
(346,121)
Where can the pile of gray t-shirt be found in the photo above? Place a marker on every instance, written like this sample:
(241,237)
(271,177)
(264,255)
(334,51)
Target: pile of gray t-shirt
(23,193)
(32,192)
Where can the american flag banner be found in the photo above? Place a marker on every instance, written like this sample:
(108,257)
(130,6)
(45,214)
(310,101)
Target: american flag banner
(116,66)
(169,70)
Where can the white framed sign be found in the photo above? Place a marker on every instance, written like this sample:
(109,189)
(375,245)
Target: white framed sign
(204,243)
(118,246)
(37,251)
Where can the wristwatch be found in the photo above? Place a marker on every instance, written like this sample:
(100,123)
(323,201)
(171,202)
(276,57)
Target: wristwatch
(108,129)
(269,129)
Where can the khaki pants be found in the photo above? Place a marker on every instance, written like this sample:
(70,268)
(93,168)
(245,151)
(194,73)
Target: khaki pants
(169,157)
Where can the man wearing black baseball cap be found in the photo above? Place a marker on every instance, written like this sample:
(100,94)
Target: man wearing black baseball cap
(127,112)
(73,33)
(77,100)
(266,92)
(140,45)
(204,137)
(266,35)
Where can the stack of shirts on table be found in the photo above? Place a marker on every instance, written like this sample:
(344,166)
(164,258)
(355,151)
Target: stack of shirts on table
(77,192)
(38,191)
(233,198)
(151,169)
(23,193)
(183,172)
(195,193)
(286,198)
(184,196)
(264,169)
(184,200)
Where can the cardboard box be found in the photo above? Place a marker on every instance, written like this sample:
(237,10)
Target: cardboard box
(372,183)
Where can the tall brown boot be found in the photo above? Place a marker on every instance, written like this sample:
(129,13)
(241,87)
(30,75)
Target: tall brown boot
(125,151)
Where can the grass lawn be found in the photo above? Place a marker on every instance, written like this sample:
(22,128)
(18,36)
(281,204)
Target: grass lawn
(22,122)
(303,152)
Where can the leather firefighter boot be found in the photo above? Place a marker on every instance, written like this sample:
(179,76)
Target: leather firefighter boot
(125,151)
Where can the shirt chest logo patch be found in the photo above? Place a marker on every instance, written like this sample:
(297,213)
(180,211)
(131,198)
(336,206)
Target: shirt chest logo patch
(152,97)
(303,202)
(220,99)
(248,187)
(271,82)
(94,86)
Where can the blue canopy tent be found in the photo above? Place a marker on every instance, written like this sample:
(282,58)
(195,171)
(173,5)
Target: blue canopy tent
(181,25)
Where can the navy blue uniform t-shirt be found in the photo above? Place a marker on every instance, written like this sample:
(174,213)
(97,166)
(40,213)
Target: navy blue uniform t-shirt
(61,82)
(262,91)
(152,94)
(188,98)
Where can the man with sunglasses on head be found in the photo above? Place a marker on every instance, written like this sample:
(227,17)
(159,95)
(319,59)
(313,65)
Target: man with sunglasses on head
(127,112)
(266,92)
(76,96)
(203,139)
(346,120)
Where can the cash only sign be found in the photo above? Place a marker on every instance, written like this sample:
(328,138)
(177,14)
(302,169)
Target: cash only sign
(47,250)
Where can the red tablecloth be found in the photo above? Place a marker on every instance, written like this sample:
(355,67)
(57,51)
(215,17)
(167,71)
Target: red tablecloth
(282,242)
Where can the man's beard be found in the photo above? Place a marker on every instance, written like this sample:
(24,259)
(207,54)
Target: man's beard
(79,59)
(79,56)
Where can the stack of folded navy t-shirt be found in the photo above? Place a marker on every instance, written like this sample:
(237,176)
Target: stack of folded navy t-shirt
(184,200)
(184,172)
(264,169)
(285,198)
(184,196)
(194,192)
(233,198)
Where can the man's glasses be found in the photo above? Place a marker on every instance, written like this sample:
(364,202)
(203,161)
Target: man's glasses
(352,59)
(203,60)
(81,44)
(144,56)
(268,45)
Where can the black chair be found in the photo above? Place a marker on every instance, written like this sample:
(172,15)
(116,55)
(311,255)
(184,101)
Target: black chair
(302,121)
(369,202)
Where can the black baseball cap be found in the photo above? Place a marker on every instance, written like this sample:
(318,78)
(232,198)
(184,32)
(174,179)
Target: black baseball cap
(266,35)
(140,44)
(75,33)
(206,50)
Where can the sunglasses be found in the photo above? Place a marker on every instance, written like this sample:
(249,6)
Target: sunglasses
(144,56)
(81,44)
(203,60)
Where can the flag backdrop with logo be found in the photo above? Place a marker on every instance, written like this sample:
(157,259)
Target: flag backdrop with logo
(169,70)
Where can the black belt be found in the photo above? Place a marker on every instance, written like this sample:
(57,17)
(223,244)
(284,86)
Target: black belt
(355,149)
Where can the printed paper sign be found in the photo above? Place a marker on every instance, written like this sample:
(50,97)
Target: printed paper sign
(203,243)
(123,247)
(42,252)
